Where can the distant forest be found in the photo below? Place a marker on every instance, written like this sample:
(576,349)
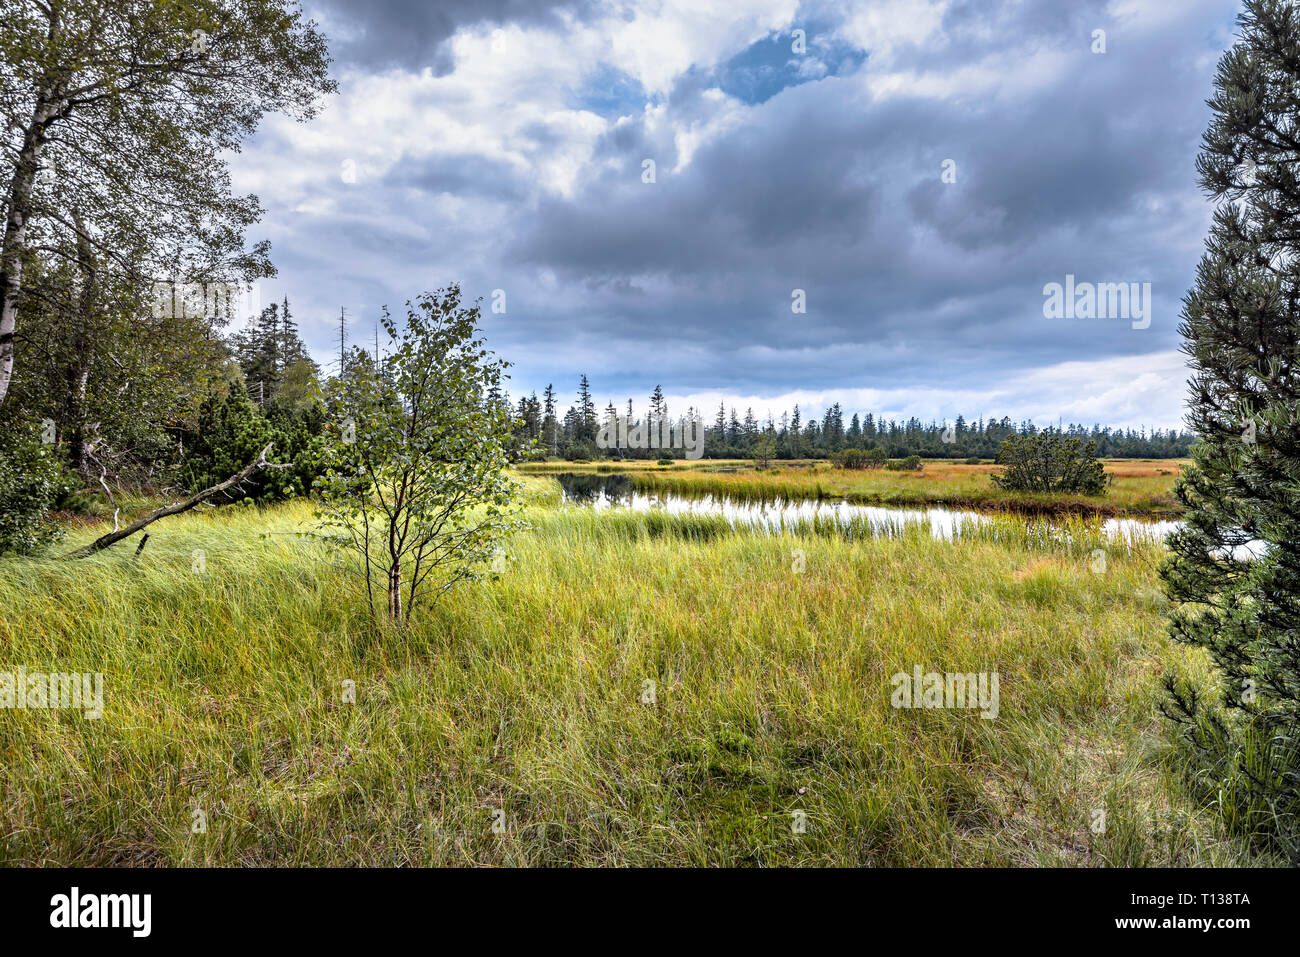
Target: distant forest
(541,431)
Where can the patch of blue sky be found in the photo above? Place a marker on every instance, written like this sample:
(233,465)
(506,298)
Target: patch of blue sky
(771,65)
(612,93)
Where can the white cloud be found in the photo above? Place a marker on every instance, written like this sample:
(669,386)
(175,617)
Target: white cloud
(1127,392)
(451,170)
(661,41)
(882,26)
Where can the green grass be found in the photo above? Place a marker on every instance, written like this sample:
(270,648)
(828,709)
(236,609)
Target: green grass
(223,693)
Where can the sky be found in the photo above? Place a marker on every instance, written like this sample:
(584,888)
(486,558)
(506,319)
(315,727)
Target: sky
(853,202)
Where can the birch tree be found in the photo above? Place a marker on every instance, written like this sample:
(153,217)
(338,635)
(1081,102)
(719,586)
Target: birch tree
(118,116)
(414,485)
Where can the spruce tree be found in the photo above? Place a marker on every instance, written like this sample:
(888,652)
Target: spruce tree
(1234,567)
(292,349)
(586,426)
(658,405)
(550,427)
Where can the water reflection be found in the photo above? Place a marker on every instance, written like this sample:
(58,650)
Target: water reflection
(601,491)
(617,491)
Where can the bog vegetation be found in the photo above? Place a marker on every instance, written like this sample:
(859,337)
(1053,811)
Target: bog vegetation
(1050,462)
(590,688)
(631,689)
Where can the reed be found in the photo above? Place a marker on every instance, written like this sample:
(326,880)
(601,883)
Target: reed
(528,701)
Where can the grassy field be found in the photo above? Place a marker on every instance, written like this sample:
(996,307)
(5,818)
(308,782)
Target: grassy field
(524,702)
(1140,487)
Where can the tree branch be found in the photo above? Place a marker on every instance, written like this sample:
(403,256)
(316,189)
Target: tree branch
(104,541)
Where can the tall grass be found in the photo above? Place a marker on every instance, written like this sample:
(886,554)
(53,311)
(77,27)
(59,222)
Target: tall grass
(1138,488)
(771,657)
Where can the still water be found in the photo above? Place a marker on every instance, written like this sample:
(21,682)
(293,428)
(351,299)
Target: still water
(617,491)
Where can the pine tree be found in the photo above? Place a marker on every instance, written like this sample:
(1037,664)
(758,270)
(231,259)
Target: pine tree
(611,414)
(833,428)
(854,434)
(1233,567)
(550,427)
(658,406)
(292,348)
(586,425)
(533,416)
(268,349)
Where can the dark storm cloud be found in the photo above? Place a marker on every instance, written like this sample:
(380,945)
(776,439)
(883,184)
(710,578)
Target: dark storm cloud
(410,33)
(773,174)
(841,196)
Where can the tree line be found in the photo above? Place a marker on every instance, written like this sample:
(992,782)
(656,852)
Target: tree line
(541,430)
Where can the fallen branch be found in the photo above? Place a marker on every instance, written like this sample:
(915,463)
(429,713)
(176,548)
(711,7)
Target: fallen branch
(112,538)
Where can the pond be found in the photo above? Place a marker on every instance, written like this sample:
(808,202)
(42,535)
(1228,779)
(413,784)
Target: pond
(618,491)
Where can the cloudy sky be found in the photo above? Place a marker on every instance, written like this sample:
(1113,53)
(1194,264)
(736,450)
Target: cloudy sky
(503,144)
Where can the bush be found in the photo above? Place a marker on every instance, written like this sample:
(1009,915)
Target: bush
(1050,462)
(910,464)
(32,478)
(849,459)
(974,460)
(858,459)
(665,462)
(232,431)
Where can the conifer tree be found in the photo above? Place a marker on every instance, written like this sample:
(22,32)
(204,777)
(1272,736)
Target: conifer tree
(550,427)
(658,405)
(1234,568)
(586,426)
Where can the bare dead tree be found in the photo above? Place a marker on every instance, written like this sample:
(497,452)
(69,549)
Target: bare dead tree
(112,538)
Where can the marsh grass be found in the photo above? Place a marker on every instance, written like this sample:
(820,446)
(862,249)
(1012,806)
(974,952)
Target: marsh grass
(223,693)
(1143,488)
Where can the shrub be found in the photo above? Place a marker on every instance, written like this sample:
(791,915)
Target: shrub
(858,458)
(31,480)
(665,462)
(232,431)
(910,464)
(974,460)
(1050,462)
(849,459)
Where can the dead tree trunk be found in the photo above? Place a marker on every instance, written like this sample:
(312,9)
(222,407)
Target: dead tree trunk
(112,538)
